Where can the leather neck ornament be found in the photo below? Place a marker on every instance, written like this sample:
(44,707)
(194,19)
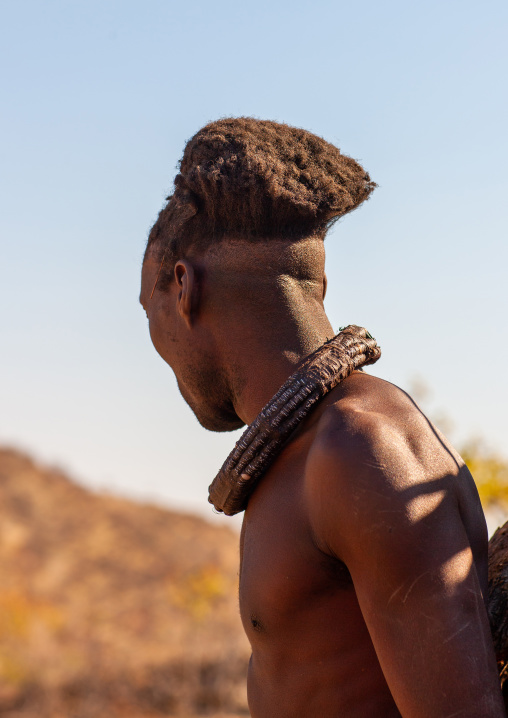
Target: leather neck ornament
(263,440)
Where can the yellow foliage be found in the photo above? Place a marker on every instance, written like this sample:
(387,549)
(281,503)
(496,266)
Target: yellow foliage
(14,615)
(12,671)
(197,592)
(18,614)
(490,473)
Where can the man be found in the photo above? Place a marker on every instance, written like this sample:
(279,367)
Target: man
(364,548)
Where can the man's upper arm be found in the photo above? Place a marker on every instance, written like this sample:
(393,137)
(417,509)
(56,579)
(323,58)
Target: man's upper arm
(397,526)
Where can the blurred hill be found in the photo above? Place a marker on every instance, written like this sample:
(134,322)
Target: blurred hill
(110,607)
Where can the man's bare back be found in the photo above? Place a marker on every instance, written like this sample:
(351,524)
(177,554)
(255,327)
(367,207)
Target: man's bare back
(312,650)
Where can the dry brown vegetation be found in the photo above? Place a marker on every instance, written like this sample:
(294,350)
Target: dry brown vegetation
(109,607)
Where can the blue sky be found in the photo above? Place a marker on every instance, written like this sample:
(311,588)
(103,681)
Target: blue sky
(99,99)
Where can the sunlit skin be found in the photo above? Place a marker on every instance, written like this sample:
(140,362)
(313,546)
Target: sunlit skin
(363,549)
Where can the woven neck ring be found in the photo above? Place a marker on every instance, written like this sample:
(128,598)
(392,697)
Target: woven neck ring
(263,440)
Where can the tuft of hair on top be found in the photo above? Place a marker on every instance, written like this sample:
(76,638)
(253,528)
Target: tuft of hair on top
(256,180)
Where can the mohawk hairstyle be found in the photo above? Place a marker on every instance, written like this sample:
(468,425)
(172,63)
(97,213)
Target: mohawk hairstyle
(255,180)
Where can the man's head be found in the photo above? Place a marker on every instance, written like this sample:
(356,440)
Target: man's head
(256,180)
(242,232)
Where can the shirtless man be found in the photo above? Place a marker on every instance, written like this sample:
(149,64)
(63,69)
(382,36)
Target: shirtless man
(363,551)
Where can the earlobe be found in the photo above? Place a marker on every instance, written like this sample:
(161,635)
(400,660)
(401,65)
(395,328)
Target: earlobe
(186,283)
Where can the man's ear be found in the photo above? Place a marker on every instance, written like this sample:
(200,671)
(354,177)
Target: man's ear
(186,282)
(325,284)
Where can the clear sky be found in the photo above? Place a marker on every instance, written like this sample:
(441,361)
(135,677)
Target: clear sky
(98,101)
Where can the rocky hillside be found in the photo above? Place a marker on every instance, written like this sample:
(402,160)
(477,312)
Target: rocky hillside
(109,607)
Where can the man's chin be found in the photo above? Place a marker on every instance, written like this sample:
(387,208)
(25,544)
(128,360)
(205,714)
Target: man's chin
(220,423)
(221,419)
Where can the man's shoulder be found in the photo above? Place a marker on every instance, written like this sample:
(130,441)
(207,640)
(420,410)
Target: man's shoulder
(366,413)
(373,441)
(377,464)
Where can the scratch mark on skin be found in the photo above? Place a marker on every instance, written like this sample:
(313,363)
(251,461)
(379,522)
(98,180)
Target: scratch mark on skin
(414,584)
(372,463)
(485,646)
(457,632)
(395,593)
(457,713)
(433,619)
(409,589)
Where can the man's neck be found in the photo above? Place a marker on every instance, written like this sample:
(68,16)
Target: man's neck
(261,356)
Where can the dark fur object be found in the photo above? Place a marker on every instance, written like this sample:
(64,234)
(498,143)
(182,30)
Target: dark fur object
(256,180)
(498,601)
(260,444)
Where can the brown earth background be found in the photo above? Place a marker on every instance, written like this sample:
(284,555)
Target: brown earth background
(113,608)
